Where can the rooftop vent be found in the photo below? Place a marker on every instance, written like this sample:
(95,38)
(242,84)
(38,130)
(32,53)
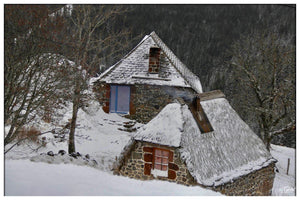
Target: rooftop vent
(154,57)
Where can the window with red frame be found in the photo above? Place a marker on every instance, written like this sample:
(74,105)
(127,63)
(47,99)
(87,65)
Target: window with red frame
(161,159)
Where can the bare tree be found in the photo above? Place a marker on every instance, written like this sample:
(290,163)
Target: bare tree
(264,67)
(91,40)
(32,76)
(33,37)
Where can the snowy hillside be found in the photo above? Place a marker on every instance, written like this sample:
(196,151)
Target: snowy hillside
(98,134)
(30,171)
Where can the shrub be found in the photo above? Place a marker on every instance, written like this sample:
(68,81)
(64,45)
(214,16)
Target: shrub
(31,133)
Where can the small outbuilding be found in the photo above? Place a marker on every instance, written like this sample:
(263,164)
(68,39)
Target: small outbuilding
(205,143)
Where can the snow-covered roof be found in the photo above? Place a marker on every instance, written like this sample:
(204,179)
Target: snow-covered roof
(166,128)
(133,68)
(230,151)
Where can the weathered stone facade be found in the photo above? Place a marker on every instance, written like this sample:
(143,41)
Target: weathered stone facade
(146,101)
(257,183)
(138,164)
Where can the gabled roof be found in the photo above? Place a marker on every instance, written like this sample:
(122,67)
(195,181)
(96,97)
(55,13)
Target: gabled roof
(231,150)
(133,68)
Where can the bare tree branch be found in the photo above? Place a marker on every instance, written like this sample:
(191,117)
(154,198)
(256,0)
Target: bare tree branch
(265,64)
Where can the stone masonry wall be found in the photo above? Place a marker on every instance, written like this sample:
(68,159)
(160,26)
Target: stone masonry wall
(258,183)
(138,165)
(146,101)
(149,100)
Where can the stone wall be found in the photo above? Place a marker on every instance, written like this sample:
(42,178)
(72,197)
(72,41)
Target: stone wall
(258,183)
(102,93)
(149,100)
(146,101)
(138,164)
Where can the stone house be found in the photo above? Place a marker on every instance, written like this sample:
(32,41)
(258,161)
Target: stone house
(145,80)
(189,137)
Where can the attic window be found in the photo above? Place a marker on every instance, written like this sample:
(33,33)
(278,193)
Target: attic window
(154,57)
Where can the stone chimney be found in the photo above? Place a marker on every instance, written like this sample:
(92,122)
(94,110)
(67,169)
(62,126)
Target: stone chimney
(200,116)
(154,58)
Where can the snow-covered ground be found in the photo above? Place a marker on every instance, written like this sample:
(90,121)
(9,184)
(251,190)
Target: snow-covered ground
(284,185)
(103,137)
(23,177)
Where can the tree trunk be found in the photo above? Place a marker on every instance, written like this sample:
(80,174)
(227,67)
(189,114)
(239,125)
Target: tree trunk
(267,139)
(76,100)
(9,136)
(71,148)
(268,144)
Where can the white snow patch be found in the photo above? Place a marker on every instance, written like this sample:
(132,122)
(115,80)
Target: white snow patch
(284,185)
(24,178)
(156,173)
(67,9)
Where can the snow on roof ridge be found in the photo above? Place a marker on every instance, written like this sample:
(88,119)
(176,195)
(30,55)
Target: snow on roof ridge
(189,76)
(120,61)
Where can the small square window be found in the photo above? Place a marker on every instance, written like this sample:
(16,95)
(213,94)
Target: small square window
(161,159)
